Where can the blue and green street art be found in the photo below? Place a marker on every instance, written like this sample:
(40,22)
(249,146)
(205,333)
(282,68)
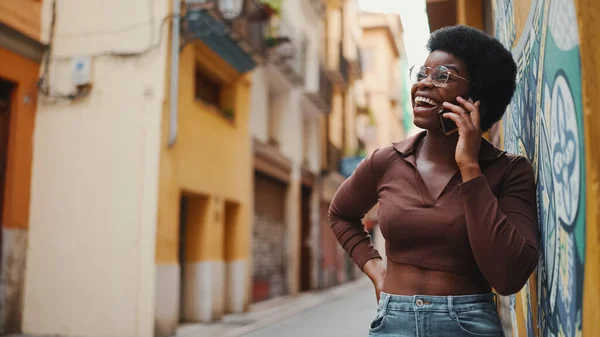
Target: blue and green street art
(544,123)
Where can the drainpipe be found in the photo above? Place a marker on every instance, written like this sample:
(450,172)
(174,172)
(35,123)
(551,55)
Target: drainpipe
(174,98)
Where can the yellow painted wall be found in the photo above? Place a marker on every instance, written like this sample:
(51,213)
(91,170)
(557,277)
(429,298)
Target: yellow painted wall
(588,12)
(24,73)
(211,162)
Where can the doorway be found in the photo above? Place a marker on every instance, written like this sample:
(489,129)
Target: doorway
(232,277)
(193,209)
(269,257)
(6,89)
(305,250)
(183,221)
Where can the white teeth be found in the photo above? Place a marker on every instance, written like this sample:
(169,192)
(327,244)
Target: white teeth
(420,99)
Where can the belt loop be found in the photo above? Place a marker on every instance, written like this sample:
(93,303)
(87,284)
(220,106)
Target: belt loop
(385,302)
(450,306)
(496,301)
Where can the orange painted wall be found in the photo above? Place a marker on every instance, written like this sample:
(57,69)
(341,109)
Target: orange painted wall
(24,73)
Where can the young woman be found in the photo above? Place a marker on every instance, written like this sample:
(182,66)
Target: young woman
(458,215)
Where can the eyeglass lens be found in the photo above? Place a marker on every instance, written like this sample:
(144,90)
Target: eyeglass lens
(439,75)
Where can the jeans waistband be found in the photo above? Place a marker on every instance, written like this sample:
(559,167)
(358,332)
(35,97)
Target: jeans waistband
(437,303)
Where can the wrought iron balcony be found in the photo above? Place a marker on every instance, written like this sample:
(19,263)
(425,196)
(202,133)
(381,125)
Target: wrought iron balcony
(286,49)
(323,96)
(356,65)
(250,30)
(200,24)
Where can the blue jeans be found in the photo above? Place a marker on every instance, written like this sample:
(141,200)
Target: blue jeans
(436,316)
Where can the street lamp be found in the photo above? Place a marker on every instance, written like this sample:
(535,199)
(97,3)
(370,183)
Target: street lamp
(228,9)
(231,9)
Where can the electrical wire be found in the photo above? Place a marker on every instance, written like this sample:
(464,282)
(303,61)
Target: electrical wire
(43,84)
(43,81)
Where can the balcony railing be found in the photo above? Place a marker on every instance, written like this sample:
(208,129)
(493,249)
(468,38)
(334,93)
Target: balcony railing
(357,65)
(202,24)
(286,48)
(344,65)
(323,96)
(250,30)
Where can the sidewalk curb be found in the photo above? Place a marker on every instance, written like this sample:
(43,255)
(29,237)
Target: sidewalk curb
(307,301)
(291,307)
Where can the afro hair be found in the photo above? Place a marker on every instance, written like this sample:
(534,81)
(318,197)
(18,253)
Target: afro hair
(491,66)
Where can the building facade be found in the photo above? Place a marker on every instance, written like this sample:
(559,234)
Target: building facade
(290,93)
(20,55)
(341,147)
(205,184)
(384,89)
(551,121)
(383,48)
(90,267)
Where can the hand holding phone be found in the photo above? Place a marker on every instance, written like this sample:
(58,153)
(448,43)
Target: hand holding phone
(448,125)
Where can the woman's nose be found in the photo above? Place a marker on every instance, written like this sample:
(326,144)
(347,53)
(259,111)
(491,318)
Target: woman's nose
(425,83)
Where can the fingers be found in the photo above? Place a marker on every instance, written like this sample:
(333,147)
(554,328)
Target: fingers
(476,115)
(464,121)
(460,122)
(473,108)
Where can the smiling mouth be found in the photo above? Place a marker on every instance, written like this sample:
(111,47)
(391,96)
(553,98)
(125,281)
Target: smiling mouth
(425,102)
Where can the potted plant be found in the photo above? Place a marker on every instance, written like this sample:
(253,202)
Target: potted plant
(271,7)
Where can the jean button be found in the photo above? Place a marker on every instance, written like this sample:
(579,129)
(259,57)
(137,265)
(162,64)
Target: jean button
(419,302)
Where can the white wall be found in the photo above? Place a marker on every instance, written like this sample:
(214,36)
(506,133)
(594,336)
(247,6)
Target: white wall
(91,256)
(259,105)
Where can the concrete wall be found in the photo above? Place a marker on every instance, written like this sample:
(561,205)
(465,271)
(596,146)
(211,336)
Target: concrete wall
(210,165)
(547,122)
(90,267)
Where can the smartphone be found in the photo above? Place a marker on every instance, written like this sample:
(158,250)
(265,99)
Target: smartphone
(448,125)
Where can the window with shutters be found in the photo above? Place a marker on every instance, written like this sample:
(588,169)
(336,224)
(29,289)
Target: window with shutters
(211,91)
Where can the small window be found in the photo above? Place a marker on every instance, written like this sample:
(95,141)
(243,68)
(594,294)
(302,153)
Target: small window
(215,93)
(207,90)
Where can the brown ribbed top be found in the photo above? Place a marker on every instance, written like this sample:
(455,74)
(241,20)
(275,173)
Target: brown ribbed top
(485,227)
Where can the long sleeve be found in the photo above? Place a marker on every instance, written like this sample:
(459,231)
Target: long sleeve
(354,198)
(503,231)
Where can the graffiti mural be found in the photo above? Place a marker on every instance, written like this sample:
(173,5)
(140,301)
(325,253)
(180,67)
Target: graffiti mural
(544,123)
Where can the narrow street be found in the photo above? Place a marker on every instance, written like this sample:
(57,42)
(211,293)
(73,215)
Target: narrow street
(347,317)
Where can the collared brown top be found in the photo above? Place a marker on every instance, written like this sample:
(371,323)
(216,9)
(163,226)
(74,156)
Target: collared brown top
(485,227)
